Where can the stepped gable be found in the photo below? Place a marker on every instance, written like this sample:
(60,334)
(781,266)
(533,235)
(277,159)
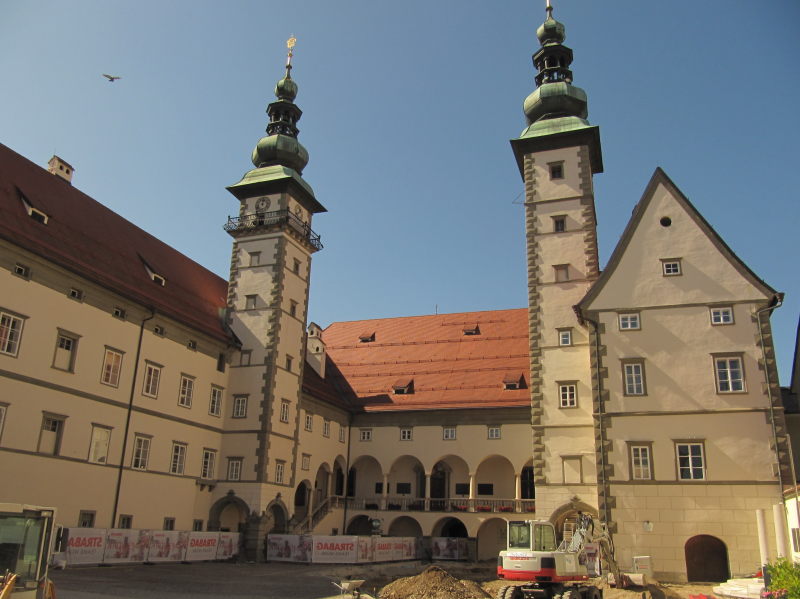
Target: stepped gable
(85,237)
(443,361)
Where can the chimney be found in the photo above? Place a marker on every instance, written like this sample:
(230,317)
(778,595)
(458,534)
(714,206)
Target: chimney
(60,168)
(315,349)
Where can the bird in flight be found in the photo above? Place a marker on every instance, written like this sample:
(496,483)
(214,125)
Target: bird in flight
(111,78)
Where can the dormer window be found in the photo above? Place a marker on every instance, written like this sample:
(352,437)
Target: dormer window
(158,279)
(34,213)
(75,293)
(472,330)
(514,380)
(154,276)
(367,337)
(403,387)
(159,330)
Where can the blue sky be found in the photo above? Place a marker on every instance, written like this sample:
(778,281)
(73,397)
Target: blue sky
(408,109)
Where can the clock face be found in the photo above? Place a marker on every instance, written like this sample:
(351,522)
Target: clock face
(298,211)
(262,203)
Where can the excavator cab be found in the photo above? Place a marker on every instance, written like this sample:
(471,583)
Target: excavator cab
(25,542)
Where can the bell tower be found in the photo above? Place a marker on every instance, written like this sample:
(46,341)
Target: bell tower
(558,153)
(267,304)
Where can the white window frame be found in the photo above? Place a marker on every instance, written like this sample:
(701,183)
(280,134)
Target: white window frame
(629,321)
(729,374)
(493,432)
(305,462)
(449,433)
(215,401)
(99,443)
(250,302)
(671,267)
(406,433)
(695,451)
(10,333)
(365,434)
(565,337)
(66,347)
(235,468)
(641,462)
(568,394)
(186,393)
(342,434)
(721,315)
(151,380)
(326,427)
(279,469)
(633,379)
(239,406)
(177,461)
(309,422)
(208,463)
(112,367)
(284,415)
(141,452)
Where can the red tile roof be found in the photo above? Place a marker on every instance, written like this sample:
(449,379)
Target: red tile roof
(87,238)
(449,369)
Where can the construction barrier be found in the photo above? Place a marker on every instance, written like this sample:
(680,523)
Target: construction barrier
(342,549)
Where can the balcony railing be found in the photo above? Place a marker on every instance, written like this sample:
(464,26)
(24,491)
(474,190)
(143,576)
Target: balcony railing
(278,218)
(404,503)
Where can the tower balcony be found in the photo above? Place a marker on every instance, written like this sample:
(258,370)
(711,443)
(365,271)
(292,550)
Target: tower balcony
(257,222)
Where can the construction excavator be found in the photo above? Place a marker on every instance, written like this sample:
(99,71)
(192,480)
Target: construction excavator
(26,539)
(552,572)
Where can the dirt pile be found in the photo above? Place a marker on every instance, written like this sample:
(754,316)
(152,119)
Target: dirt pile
(432,583)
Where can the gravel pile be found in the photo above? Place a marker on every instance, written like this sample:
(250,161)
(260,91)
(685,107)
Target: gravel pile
(432,583)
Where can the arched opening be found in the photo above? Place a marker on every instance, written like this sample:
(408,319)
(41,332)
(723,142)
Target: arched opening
(449,527)
(565,518)
(278,517)
(231,519)
(338,480)
(491,538)
(495,479)
(228,513)
(440,483)
(321,484)
(360,525)
(364,477)
(706,559)
(527,487)
(301,496)
(405,526)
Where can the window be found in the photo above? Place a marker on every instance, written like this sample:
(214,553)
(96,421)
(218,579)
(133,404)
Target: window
(292,308)
(215,403)
(471,329)
(51,433)
(86,519)
(305,463)
(192,345)
(365,434)
(289,361)
(561,272)
(112,363)
(125,521)
(118,313)
(22,270)
(279,466)
(565,336)
(209,461)
(641,468)
(671,267)
(691,464)
(186,391)
(245,356)
(493,432)
(10,333)
(141,452)
(197,525)
(240,406)
(556,170)
(559,224)
(326,428)
(169,523)
(367,337)
(796,539)
(341,433)
(75,294)
(221,362)
(722,315)
(633,378)
(159,330)
(567,395)
(255,258)
(404,386)
(152,376)
(66,347)
(572,469)
(250,302)
(177,462)
(730,374)
(284,410)
(235,468)
(296,266)
(309,422)
(629,322)
(98,445)
(449,433)
(406,434)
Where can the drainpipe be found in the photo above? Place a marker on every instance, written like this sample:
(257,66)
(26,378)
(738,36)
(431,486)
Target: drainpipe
(347,474)
(128,417)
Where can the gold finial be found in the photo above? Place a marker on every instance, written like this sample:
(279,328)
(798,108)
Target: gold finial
(549,8)
(290,44)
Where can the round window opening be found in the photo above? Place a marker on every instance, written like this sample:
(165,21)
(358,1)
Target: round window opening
(665,221)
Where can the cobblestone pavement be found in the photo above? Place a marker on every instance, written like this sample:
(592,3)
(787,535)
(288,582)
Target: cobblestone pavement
(184,581)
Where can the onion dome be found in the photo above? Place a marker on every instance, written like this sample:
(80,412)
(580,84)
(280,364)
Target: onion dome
(551,31)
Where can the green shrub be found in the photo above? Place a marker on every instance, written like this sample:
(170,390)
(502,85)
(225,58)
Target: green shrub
(784,576)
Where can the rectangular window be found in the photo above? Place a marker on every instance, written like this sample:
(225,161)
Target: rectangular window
(191,344)
(559,224)
(561,272)
(289,361)
(86,519)
(159,330)
(169,523)
(112,363)
(305,462)
(296,266)
(10,333)
(284,410)
(326,428)
(239,406)
(556,170)
(309,422)
(796,540)
(250,302)
(565,336)
(494,432)
(671,267)
(221,362)
(118,313)
(633,378)
(730,374)
(255,258)
(66,347)
(341,433)
(640,462)
(567,395)
(186,391)
(365,434)
(75,294)
(722,315)
(197,525)
(177,462)
(22,271)
(98,445)
(292,308)
(125,521)
(691,464)
(572,469)
(208,464)
(235,468)
(406,434)
(449,433)
(215,403)
(245,356)
(629,322)
(152,376)
(141,452)
(51,433)
(279,466)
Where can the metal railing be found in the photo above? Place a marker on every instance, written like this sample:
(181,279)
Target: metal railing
(404,503)
(277,218)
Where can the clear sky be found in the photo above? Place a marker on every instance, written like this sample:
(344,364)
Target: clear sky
(408,109)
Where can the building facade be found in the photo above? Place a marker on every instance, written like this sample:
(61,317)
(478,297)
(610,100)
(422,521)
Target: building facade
(139,390)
